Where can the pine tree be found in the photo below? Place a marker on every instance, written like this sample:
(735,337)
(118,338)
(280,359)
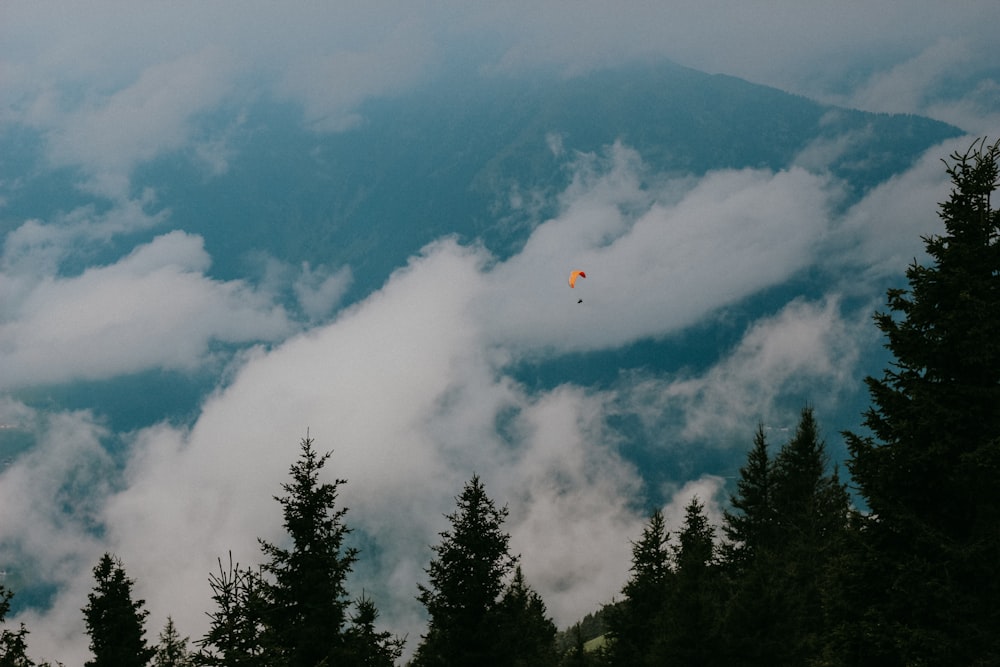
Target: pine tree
(525,634)
(572,642)
(576,654)
(928,472)
(634,623)
(13,643)
(172,651)
(689,622)
(235,637)
(115,622)
(749,526)
(812,510)
(810,501)
(366,646)
(786,534)
(797,478)
(466,580)
(749,560)
(307,597)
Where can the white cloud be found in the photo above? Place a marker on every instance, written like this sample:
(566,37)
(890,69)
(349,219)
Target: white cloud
(411,387)
(318,290)
(51,499)
(906,86)
(409,391)
(882,233)
(110,135)
(570,495)
(155,308)
(947,79)
(805,48)
(49,492)
(112,85)
(400,389)
(805,346)
(37,248)
(708,490)
(330,87)
(653,264)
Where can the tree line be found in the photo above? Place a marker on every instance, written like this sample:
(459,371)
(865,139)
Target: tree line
(795,574)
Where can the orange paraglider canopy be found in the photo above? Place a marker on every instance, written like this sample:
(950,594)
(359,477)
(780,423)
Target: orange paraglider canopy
(573,276)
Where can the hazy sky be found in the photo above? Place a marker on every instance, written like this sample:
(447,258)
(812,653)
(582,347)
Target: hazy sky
(408,385)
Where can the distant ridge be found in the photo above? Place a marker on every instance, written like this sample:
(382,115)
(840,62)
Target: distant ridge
(443,158)
(439,160)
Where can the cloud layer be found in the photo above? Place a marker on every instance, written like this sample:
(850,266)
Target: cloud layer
(106,104)
(154,308)
(414,387)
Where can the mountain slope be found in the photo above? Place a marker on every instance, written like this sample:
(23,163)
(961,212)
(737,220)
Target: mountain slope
(445,159)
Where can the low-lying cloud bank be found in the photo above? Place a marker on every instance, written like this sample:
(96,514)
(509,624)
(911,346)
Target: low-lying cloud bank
(155,308)
(413,391)
(111,86)
(412,388)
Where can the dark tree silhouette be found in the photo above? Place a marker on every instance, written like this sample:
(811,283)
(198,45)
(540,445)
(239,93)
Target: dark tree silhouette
(635,622)
(306,593)
(525,634)
(235,635)
(13,643)
(929,469)
(750,526)
(366,645)
(172,650)
(115,622)
(689,622)
(466,580)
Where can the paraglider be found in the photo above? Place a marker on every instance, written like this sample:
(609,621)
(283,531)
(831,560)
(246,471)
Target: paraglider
(572,280)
